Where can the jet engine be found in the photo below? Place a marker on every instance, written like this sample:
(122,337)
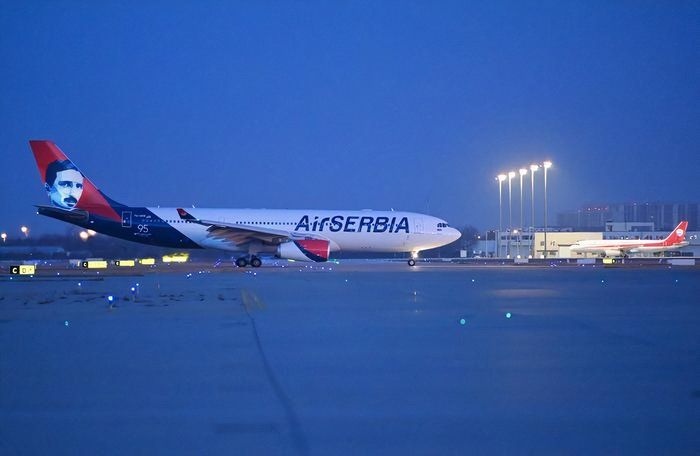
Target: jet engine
(613,253)
(305,250)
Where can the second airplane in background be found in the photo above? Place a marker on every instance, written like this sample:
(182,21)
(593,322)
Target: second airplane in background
(623,247)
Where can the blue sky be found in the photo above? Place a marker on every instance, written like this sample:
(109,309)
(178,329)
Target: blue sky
(352,105)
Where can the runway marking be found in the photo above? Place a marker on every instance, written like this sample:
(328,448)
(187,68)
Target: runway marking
(252,301)
(249,299)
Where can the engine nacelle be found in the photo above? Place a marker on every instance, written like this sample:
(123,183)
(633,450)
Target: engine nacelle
(613,253)
(305,250)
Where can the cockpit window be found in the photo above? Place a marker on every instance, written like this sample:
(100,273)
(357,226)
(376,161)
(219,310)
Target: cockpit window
(442,225)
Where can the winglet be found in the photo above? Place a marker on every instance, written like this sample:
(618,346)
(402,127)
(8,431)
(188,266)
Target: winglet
(184,215)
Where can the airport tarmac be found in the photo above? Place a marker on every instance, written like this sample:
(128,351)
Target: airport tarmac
(355,358)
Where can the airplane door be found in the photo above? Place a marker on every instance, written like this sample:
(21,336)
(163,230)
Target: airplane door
(418,224)
(126,219)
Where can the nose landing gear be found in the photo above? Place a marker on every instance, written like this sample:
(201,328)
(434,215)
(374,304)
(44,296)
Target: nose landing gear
(412,260)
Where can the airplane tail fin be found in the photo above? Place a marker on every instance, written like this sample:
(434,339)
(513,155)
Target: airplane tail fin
(67,187)
(678,234)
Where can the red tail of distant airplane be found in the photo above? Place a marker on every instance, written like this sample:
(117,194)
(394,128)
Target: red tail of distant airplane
(677,236)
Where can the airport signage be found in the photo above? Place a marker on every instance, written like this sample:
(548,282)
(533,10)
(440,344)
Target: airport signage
(177,258)
(147,261)
(95,264)
(23,269)
(124,263)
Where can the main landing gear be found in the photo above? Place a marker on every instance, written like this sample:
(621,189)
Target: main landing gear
(255,262)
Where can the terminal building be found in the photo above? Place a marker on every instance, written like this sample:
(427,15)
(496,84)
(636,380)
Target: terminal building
(663,216)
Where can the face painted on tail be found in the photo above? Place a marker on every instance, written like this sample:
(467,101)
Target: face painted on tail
(64,183)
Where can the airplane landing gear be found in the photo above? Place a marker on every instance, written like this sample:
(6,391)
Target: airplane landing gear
(242,262)
(254,261)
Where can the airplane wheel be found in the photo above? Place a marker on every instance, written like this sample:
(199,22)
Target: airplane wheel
(255,262)
(241,262)
(411,262)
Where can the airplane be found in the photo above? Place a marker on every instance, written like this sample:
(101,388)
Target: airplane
(301,235)
(622,247)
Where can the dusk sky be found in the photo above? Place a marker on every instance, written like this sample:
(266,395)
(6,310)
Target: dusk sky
(352,105)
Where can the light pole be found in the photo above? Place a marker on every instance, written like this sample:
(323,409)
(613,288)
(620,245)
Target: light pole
(500,178)
(546,165)
(511,175)
(25,231)
(533,169)
(522,172)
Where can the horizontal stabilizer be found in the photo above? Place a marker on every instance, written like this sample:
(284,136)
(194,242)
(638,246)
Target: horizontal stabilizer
(73,216)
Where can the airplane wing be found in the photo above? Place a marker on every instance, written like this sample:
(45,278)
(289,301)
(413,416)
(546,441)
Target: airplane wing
(242,234)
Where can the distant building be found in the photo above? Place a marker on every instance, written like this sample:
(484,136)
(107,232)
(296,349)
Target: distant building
(664,216)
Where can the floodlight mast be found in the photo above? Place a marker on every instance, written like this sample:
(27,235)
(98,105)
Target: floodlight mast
(522,172)
(511,175)
(533,169)
(500,178)
(546,165)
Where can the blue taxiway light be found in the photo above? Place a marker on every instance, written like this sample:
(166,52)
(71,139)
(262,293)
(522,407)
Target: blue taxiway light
(508,315)
(462,322)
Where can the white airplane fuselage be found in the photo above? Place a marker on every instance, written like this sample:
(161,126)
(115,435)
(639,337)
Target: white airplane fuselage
(346,230)
(629,246)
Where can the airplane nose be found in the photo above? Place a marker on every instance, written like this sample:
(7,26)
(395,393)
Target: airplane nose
(454,234)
